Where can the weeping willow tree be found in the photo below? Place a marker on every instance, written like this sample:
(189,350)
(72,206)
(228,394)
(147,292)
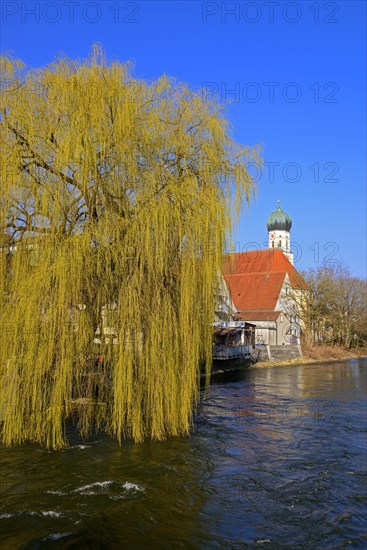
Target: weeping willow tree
(116,203)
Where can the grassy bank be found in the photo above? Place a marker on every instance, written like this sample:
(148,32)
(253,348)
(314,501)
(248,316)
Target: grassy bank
(317,354)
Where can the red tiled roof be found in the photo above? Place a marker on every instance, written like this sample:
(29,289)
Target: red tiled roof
(258,315)
(254,291)
(267,261)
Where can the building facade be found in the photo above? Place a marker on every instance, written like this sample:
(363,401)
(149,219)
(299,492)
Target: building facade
(265,286)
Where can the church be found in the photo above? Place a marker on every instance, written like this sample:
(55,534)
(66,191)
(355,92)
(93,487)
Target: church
(265,287)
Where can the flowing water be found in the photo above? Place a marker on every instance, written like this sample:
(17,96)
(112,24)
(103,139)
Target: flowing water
(277,459)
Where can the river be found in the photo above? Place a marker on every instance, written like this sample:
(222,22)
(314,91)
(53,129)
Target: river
(277,459)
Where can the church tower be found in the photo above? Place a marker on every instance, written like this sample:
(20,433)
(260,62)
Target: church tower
(279,226)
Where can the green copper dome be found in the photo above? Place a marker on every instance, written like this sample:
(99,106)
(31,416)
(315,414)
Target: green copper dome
(279,220)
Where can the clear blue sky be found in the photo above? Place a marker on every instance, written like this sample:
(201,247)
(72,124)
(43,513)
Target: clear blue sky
(296,75)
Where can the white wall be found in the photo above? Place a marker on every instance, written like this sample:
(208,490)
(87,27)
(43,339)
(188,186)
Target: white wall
(281,239)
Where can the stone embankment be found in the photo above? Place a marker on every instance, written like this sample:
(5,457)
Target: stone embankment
(277,353)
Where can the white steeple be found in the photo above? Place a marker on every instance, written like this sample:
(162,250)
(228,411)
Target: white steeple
(279,225)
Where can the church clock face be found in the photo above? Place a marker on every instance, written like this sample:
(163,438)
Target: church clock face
(272,236)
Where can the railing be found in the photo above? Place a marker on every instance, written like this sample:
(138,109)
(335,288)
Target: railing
(223,352)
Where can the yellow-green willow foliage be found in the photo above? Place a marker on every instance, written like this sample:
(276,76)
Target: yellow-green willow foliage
(116,202)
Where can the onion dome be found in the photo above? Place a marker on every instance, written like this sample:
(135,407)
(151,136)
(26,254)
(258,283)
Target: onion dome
(279,220)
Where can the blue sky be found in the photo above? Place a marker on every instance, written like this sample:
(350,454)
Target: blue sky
(294,74)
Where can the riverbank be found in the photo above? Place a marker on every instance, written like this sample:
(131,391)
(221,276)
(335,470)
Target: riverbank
(317,354)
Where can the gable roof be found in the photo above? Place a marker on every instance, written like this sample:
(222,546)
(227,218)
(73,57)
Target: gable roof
(254,291)
(259,315)
(266,261)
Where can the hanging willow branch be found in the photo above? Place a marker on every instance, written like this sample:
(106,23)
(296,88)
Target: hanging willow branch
(116,202)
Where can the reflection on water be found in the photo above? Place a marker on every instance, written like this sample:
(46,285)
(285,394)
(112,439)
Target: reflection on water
(277,459)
